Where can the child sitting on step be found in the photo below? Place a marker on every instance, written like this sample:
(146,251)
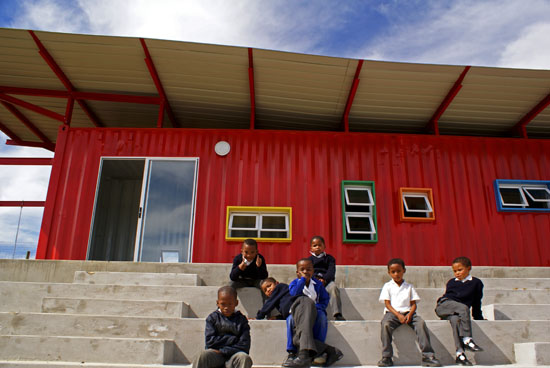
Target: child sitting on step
(399,298)
(227,335)
(249,267)
(324,266)
(307,323)
(462,293)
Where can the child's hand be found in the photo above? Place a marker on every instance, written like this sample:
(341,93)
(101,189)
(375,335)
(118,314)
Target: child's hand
(242,266)
(401,318)
(322,280)
(408,318)
(258,261)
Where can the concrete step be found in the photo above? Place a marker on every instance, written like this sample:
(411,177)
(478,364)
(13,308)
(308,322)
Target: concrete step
(494,312)
(358,303)
(352,337)
(516,283)
(145,308)
(218,274)
(50,364)
(136,278)
(533,353)
(86,349)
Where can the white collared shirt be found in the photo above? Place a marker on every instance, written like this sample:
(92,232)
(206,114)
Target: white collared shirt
(400,297)
(467,278)
(309,291)
(318,256)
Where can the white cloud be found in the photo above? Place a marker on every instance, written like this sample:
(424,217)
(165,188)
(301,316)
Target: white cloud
(465,32)
(530,50)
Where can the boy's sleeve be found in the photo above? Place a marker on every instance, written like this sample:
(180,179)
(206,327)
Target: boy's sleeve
(296,286)
(239,343)
(384,294)
(330,275)
(324,297)
(476,303)
(235,270)
(262,271)
(414,295)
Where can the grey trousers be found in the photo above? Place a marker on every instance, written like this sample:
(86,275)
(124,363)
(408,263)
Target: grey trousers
(335,302)
(304,314)
(211,359)
(458,315)
(390,322)
(247,283)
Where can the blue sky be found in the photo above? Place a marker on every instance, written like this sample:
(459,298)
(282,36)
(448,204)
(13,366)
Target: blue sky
(503,33)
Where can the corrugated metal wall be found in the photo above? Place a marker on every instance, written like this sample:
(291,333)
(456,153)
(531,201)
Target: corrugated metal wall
(304,170)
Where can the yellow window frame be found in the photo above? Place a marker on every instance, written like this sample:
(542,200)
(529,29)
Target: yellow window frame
(287,211)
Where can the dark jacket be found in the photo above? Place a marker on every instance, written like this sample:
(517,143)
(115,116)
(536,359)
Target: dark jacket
(296,288)
(324,267)
(280,299)
(469,293)
(229,335)
(250,272)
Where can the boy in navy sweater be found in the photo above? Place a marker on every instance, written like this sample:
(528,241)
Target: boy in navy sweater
(249,267)
(227,335)
(324,266)
(278,297)
(462,293)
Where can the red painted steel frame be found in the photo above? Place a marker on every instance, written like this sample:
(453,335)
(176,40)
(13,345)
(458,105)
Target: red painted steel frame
(22,203)
(28,124)
(25,161)
(9,133)
(62,77)
(522,124)
(434,121)
(40,110)
(252,91)
(29,144)
(351,95)
(158,84)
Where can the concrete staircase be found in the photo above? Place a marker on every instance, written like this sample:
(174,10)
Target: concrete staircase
(122,314)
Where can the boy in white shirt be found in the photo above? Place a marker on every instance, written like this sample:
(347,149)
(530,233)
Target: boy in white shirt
(399,298)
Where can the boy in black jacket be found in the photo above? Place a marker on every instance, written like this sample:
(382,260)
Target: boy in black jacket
(278,297)
(227,335)
(249,267)
(462,293)
(324,266)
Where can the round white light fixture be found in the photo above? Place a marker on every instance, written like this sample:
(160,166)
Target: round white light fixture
(222,148)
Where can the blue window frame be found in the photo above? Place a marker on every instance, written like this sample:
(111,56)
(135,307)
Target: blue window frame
(522,195)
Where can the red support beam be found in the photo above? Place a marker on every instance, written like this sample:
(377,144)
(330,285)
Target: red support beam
(69,110)
(9,133)
(62,77)
(252,91)
(96,96)
(351,95)
(158,83)
(434,121)
(22,203)
(521,126)
(22,118)
(9,100)
(20,143)
(160,121)
(25,161)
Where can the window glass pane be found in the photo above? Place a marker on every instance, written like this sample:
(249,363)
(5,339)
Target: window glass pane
(244,221)
(538,194)
(512,197)
(273,222)
(168,210)
(360,224)
(416,203)
(274,234)
(358,196)
(243,233)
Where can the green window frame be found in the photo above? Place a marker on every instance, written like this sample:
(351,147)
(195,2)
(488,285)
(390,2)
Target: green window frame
(359,212)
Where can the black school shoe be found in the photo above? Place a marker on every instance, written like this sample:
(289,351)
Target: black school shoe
(299,363)
(291,356)
(430,362)
(462,360)
(472,346)
(385,362)
(339,317)
(333,355)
